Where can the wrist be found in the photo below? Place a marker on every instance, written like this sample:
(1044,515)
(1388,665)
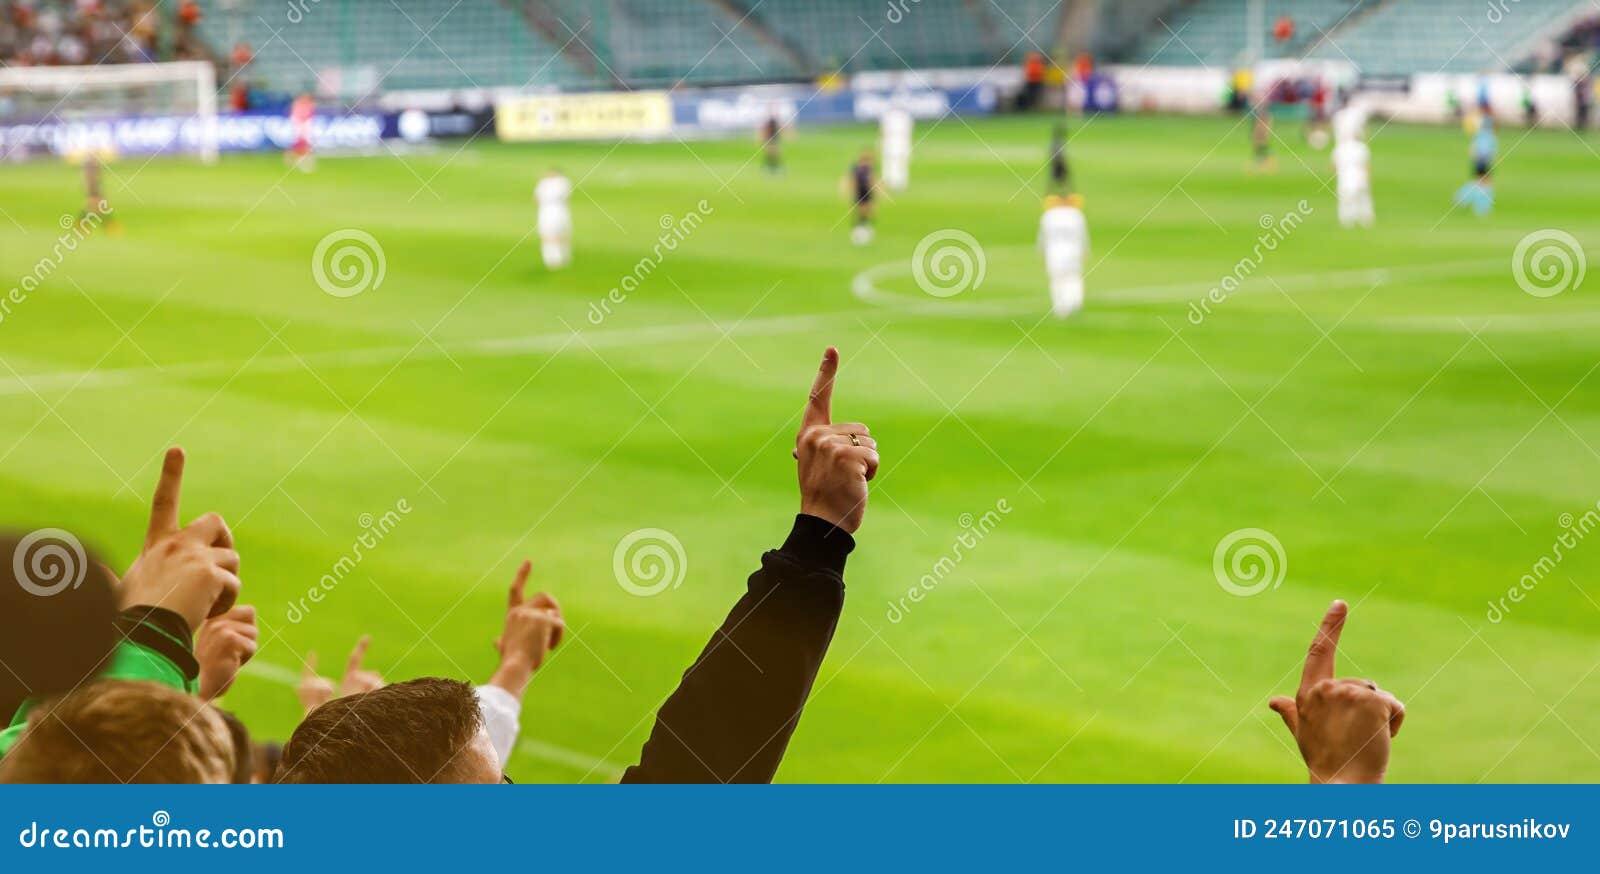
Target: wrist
(1343,777)
(823,512)
(513,675)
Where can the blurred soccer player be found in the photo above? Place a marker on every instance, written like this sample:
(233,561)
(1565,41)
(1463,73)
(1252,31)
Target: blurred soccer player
(1261,135)
(771,133)
(96,210)
(1060,173)
(862,183)
(1352,160)
(301,112)
(897,126)
(555,219)
(1478,193)
(1064,241)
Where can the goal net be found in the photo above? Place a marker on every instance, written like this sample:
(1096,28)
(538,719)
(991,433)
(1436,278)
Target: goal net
(113,108)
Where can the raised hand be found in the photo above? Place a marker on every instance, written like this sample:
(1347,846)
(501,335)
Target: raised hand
(192,571)
(1343,727)
(356,678)
(836,461)
(314,690)
(223,646)
(533,629)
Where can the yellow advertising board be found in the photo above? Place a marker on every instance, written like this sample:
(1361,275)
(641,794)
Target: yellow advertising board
(583,116)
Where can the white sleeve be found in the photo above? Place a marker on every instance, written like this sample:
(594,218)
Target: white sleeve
(501,717)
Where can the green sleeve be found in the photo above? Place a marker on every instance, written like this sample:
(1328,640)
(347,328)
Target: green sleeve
(156,648)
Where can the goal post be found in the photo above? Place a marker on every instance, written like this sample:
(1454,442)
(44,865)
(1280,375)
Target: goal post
(184,91)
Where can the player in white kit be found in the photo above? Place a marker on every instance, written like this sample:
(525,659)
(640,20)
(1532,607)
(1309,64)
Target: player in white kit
(1352,164)
(897,128)
(1064,241)
(555,219)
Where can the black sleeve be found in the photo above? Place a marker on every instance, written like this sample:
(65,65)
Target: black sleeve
(731,717)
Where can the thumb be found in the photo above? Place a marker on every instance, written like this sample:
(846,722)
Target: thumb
(311,665)
(1286,709)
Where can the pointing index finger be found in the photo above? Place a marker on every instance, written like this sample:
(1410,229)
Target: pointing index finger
(819,409)
(1320,657)
(359,653)
(520,582)
(164,507)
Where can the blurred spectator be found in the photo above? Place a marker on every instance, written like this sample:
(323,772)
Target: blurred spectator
(57,619)
(244,759)
(1033,70)
(265,758)
(183,576)
(420,731)
(70,32)
(1283,29)
(119,731)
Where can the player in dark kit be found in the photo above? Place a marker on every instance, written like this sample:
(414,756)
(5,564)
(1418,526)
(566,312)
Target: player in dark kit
(772,143)
(862,181)
(1060,173)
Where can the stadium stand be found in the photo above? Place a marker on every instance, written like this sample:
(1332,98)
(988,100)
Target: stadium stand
(1447,36)
(637,43)
(351,45)
(1214,32)
(663,41)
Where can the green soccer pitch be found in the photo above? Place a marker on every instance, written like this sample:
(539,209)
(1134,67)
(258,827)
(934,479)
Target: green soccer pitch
(1413,429)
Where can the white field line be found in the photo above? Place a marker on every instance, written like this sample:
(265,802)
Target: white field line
(863,286)
(538,749)
(499,347)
